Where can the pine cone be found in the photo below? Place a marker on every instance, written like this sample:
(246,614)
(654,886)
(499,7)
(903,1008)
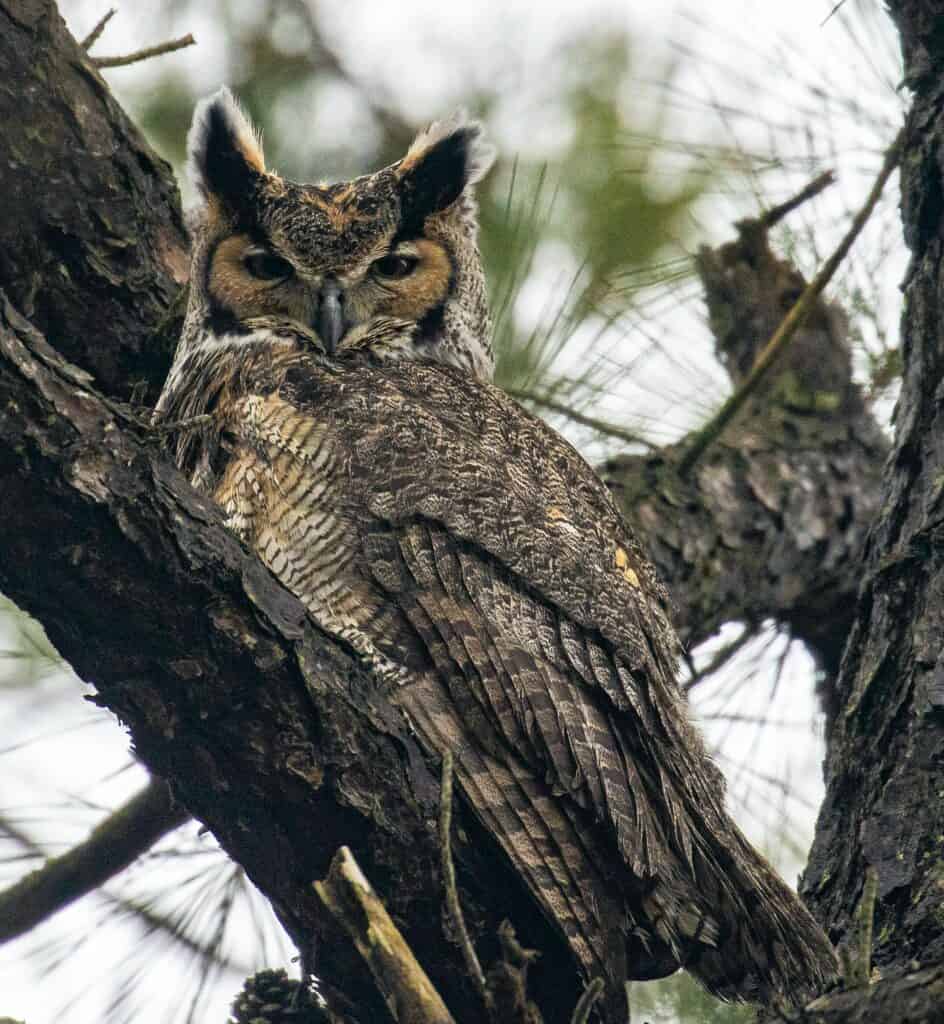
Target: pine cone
(270,997)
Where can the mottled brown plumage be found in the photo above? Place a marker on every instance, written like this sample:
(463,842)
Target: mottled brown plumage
(473,558)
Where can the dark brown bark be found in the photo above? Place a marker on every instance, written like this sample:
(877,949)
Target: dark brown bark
(885,769)
(771,523)
(791,490)
(914,997)
(93,244)
(266,730)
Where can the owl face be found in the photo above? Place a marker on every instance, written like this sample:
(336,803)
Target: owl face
(346,260)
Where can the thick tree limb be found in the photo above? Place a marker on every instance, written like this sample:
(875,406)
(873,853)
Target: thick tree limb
(772,522)
(93,243)
(794,494)
(915,997)
(265,726)
(124,835)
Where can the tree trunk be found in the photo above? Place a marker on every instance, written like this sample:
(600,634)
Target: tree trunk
(94,248)
(884,803)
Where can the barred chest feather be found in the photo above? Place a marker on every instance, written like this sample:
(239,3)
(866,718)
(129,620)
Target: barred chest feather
(274,469)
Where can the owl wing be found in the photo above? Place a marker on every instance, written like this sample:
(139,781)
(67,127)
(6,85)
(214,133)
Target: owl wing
(552,650)
(502,573)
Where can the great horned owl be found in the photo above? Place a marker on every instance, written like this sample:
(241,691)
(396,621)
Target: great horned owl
(338,337)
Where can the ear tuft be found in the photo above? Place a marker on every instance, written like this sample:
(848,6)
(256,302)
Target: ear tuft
(224,150)
(445,158)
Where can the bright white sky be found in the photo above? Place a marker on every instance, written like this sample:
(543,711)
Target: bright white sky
(425,52)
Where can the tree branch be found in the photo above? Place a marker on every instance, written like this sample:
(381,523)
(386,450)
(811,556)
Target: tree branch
(772,523)
(261,723)
(913,997)
(449,881)
(92,38)
(600,426)
(94,254)
(405,987)
(146,54)
(588,999)
(266,728)
(112,846)
(152,921)
(791,323)
(776,213)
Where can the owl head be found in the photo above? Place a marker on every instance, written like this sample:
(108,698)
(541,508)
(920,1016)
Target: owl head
(395,247)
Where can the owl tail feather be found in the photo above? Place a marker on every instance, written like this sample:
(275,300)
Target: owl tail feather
(769,946)
(729,919)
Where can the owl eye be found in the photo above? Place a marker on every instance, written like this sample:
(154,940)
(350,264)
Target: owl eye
(267,266)
(395,266)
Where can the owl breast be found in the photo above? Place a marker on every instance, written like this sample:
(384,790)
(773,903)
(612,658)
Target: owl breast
(282,493)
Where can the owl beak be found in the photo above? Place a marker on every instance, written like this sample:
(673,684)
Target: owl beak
(330,319)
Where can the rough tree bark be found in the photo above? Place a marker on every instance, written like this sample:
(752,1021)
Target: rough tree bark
(772,521)
(94,248)
(885,766)
(265,729)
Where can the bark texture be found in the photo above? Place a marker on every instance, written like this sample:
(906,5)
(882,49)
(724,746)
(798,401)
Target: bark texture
(265,729)
(885,766)
(914,997)
(771,523)
(94,248)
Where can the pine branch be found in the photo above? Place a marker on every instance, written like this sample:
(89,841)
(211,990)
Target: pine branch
(152,921)
(114,844)
(600,426)
(145,54)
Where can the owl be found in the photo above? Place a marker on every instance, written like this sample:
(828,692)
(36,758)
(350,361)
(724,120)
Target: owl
(336,349)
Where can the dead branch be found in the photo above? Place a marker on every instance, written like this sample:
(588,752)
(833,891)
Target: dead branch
(114,844)
(794,319)
(776,213)
(453,905)
(145,54)
(92,38)
(406,989)
(587,1001)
